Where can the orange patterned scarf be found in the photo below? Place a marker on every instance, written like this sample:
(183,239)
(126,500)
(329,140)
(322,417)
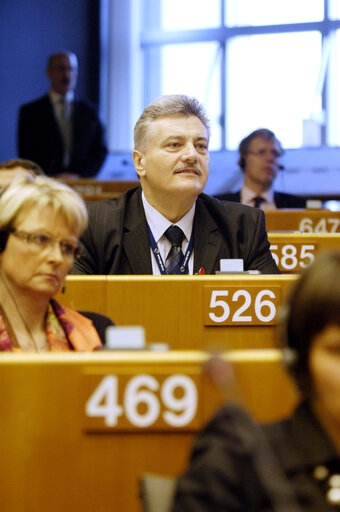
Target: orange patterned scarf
(66,329)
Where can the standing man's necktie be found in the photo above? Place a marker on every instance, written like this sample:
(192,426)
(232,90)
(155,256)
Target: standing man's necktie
(174,259)
(66,129)
(258,201)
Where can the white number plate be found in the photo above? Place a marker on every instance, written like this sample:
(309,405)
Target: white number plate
(293,257)
(142,402)
(323,225)
(249,305)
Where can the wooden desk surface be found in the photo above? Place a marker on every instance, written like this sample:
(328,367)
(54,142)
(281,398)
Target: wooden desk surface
(306,221)
(187,312)
(51,459)
(295,251)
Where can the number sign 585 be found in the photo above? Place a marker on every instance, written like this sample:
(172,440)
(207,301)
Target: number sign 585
(293,257)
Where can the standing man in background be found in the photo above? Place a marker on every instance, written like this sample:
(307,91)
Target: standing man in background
(259,159)
(58,131)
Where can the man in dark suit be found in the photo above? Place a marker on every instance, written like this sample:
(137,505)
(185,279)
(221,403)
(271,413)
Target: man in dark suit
(167,225)
(260,154)
(58,131)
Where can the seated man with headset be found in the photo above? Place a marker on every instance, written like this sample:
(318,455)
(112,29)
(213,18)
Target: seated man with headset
(260,154)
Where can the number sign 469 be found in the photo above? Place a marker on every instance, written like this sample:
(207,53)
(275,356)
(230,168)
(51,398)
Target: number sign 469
(125,402)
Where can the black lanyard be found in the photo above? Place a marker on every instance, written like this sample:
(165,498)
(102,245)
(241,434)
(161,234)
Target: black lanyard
(161,266)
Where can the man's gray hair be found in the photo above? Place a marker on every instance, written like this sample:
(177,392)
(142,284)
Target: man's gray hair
(165,106)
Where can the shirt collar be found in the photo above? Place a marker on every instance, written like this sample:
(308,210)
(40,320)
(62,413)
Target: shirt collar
(55,97)
(247,195)
(158,223)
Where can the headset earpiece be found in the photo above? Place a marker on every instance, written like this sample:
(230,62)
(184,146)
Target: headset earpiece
(3,240)
(242,163)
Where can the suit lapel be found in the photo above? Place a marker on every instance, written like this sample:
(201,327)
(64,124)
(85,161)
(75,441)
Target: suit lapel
(135,237)
(207,241)
(135,243)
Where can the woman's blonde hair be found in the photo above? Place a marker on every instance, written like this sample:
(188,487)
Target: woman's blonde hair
(29,191)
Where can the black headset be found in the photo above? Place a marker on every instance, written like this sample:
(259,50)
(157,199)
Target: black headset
(3,240)
(242,163)
(3,234)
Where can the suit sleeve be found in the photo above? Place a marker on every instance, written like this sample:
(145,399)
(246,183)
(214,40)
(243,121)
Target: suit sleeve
(25,139)
(241,233)
(100,244)
(260,257)
(221,475)
(99,151)
(90,244)
(87,263)
(89,147)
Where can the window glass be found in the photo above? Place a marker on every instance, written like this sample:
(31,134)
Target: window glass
(333,138)
(194,69)
(190,14)
(334,9)
(269,12)
(271,83)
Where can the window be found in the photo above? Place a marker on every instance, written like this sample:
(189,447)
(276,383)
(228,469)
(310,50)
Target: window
(252,63)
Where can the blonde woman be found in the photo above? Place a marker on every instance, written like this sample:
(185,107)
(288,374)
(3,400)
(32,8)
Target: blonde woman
(40,224)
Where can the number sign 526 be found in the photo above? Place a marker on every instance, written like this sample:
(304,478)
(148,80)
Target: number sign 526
(241,306)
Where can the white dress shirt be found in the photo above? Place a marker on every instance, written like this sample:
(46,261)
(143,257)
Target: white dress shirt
(247,197)
(159,224)
(62,107)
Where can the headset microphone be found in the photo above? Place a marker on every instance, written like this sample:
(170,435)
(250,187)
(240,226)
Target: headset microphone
(281,167)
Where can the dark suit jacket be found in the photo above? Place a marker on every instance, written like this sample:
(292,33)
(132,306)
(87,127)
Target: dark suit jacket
(101,323)
(237,466)
(116,240)
(39,138)
(281,199)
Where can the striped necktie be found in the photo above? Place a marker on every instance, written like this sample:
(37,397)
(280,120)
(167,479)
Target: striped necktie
(175,256)
(66,129)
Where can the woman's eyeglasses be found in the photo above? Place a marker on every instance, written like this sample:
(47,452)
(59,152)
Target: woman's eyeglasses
(40,240)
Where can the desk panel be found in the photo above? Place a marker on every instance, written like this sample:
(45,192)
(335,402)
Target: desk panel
(49,461)
(85,294)
(306,221)
(295,251)
(174,309)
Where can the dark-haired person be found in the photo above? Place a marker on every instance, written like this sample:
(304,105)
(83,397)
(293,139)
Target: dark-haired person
(59,131)
(22,164)
(294,464)
(259,159)
(40,224)
(167,225)
(15,167)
